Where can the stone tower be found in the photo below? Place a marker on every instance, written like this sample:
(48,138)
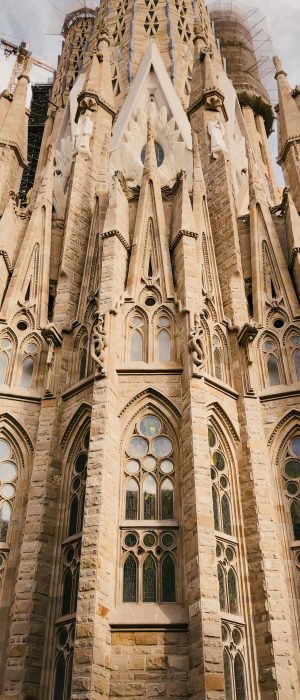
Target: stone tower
(150,369)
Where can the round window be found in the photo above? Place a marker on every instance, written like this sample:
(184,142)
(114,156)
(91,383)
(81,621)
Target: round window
(138,447)
(150,301)
(22,325)
(150,425)
(158,152)
(278,323)
(292,468)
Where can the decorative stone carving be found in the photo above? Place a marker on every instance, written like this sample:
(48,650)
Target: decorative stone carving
(195,345)
(216,131)
(62,169)
(99,343)
(84,133)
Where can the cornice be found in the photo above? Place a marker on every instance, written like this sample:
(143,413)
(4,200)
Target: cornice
(119,235)
(180,234)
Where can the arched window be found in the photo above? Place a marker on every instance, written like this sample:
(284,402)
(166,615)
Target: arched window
(163,337)
(64,641)
(228,587)
(220,486)
(83,358)
(149,580)
(137,339)
(149,496)
(272,363)
(31,350)
(3,366)
(291,476)
(130,580)
(8,481)
(217,346)
(294,349)
(234,664)
(70,569)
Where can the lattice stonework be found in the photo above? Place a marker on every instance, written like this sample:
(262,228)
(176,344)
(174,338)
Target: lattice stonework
(183,27)
(120,26)
(151,23)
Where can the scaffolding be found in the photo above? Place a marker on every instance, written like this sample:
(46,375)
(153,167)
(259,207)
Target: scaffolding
(248,31)
(39,106)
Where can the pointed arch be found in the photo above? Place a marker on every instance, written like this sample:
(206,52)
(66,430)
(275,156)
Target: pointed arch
(216,408)
(80,416)
(271,363)
(151,397)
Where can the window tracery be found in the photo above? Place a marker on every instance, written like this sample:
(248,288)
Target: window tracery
(149,555)
(217,357)
(8,481)
(137,338)
(271,361)
(234,661)
(293,345)
(291,478)
(151,23)
(70,570)
(30,350)
(227,556)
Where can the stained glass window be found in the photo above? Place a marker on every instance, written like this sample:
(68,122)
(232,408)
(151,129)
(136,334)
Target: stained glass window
(59,683)
(295,513)
(226,514)
(8,476)
(149,490)
(164,346)
(232,592)
(82,364)
(129,580)
(149,580)
(221,587)
(297,363)
(167,499)
(215,508)
(132,496)
(3,366)
(168,580)
(217,363)
(227,676)
(239,676)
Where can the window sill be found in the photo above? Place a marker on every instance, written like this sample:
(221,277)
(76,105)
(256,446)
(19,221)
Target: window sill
(148,615)
(279,391)
(229,617)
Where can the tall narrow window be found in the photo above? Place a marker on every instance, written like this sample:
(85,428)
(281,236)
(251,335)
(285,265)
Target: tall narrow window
(83,358)
(137,339)
(291,476)
(70,568)
(297,363)
(129,580)
(8,478)
(28,365)
(149,580)
(149,494)
(163,338)
(272,365)
(234,664)
(3,366)
(294,349)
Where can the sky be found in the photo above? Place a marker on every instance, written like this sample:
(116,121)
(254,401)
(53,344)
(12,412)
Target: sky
(39,23)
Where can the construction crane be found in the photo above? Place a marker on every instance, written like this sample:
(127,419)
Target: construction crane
(22,54)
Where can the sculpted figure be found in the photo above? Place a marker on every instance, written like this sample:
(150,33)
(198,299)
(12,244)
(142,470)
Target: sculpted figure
(196,346)
(99,343)
(216,131)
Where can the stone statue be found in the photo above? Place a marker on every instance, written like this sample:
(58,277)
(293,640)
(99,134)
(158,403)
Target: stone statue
(216,131)
(83,134)
(196,347)
(99,343)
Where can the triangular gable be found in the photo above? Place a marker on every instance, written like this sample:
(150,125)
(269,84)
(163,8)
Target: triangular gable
(152,59)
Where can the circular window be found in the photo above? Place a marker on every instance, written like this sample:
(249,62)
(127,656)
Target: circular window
(130,540)
(150,301)
(218,461)
(292,468)
(4,449)
(278,323)
(137,321)
(269,346)
(149,463)
(5,344)
(62,636)
(236,636)
(22,326)
(295,340)
(295,445)
(132,467)
(162,446)
(211,438)
(229,554)
(8,471)
(224,482)
(292,488)
(163,321)
(167,539)
(138,447)
(149,540)
(80,463)
(150,425)
(158,152)
(166,466)
(8,491)
(31,347)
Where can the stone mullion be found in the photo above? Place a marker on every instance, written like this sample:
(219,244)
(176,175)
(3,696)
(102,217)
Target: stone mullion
(91,674)
(201,584)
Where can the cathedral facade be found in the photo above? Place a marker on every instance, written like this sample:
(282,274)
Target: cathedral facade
(150,367)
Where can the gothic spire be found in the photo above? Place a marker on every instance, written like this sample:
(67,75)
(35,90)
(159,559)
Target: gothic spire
(288,132)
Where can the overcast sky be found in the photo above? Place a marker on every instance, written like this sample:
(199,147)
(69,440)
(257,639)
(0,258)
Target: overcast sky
(39,22)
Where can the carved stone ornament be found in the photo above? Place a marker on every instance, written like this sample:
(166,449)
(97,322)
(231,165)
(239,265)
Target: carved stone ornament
(99,343)
(196,347)
(216,131)
(83,134)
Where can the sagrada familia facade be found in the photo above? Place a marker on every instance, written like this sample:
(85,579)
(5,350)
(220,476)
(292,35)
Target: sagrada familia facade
(150,367)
